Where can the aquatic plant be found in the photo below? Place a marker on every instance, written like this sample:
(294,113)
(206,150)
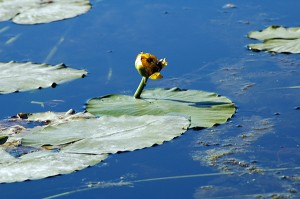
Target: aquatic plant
(148,66)
(276,39)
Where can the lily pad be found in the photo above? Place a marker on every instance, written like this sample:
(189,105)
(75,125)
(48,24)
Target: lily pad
(41,11)
(26,76)
(109,134)
(277,39)
(42,164)
(78,141)
(204,108)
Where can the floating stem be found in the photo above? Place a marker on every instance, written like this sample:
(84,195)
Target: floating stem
(141,87)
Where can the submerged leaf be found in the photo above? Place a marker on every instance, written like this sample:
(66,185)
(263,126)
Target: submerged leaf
(52,118)
(277,39)
(205,109)
(40,11)
(26,76)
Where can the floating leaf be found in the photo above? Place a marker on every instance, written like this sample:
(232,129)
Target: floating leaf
(42,164)
(26,76)
(109,134)
(205,109)
(41,11)
(277,39)
(70,142)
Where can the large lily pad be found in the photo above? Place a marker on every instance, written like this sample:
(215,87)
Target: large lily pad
(26,76)
(79,141)
(41,11)
(109,134)
(205,109)
(277,39)
(42,164)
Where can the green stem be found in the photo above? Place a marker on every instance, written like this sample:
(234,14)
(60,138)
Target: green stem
(139,90)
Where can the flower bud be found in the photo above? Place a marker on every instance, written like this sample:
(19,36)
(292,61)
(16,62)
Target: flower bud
(149,66)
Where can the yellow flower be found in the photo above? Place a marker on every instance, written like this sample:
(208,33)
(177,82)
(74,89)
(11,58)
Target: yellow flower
(149,66)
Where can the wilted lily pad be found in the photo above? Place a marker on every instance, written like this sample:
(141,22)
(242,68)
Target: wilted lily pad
(79,141)
(205,109)
(54,118)
(41,11)
(277,39)
(26,76)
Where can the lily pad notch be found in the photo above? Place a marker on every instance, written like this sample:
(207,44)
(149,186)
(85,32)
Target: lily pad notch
(15,77)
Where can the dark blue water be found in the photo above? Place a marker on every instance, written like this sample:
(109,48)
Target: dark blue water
(199,39)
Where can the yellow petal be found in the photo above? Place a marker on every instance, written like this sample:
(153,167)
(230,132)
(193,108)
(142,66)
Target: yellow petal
(163,62)
(156,75)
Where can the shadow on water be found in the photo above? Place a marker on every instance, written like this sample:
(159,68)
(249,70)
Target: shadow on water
(208,104)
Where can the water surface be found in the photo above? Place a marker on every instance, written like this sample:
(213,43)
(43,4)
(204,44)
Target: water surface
(205,45)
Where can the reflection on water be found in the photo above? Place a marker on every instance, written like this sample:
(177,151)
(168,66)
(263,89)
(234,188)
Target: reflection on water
(205,47)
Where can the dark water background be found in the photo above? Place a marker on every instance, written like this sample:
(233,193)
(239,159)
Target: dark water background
(205,45)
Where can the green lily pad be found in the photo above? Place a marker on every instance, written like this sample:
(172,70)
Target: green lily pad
(277,39)
(109,134)
(205,109)
(19,163)
(71,142)
(42,164)
(26,76)
(40,11)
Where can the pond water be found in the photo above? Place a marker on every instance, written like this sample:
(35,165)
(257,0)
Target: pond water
(255,154)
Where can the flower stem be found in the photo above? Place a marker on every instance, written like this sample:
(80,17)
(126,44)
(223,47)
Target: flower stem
(139,90)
